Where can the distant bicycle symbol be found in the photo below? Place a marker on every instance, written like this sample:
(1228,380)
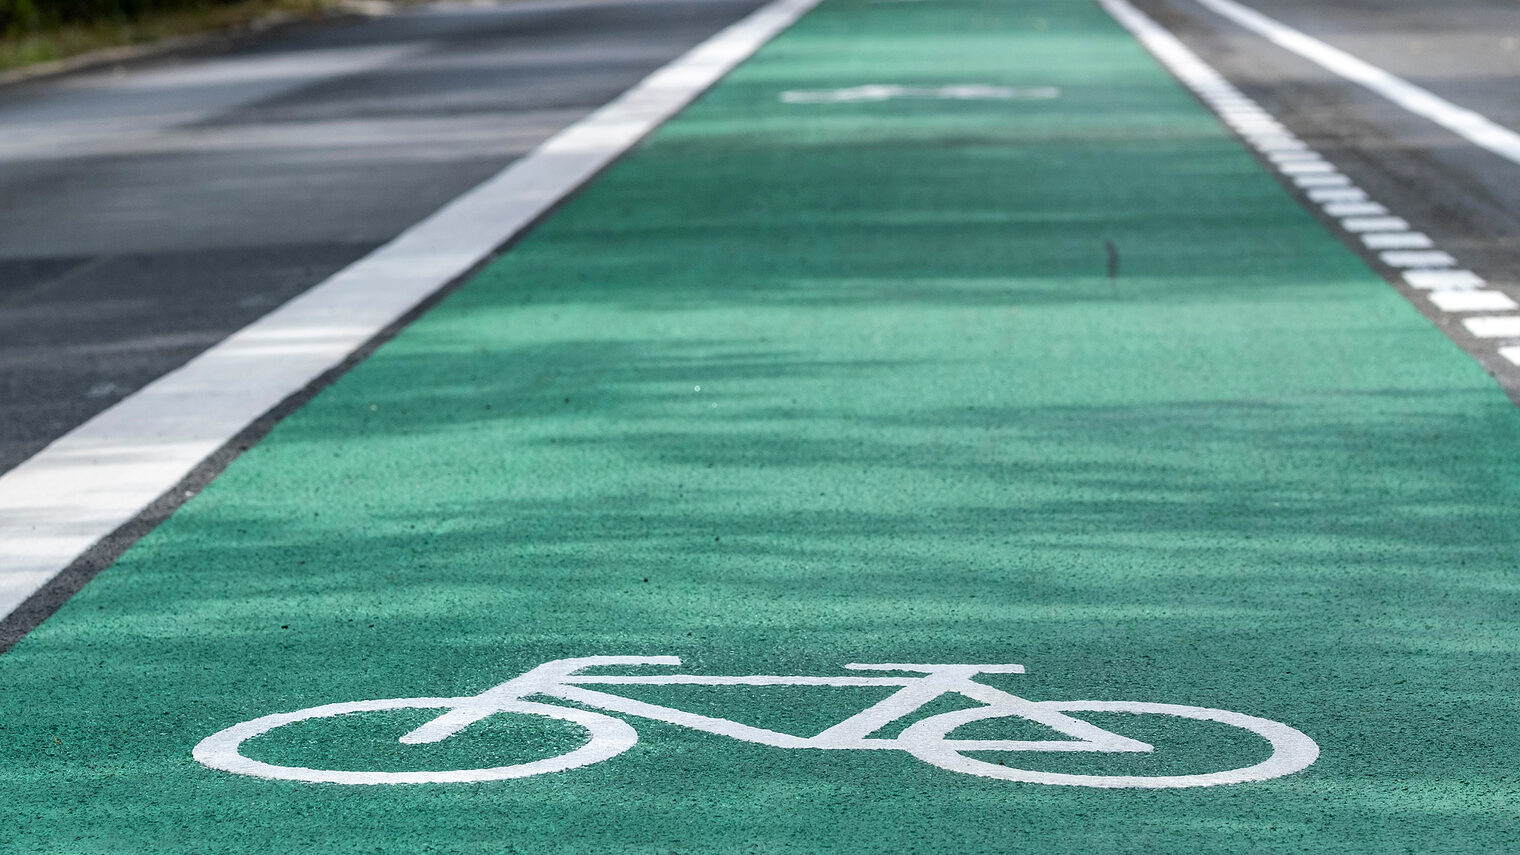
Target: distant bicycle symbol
(928,739)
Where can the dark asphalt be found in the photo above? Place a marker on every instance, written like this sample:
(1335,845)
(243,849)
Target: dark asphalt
(148,212)
(1466,51)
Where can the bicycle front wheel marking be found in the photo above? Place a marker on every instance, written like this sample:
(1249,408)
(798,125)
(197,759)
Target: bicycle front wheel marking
(609,737)
(1292,750)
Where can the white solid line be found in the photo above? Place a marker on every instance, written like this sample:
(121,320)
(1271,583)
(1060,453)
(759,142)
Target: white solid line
(86,484)
(1500,326)
(1443,280)
(1472,126)
(1511,353)
(1471,300)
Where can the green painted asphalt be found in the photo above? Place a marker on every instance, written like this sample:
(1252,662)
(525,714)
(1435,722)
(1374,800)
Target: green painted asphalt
(797,385)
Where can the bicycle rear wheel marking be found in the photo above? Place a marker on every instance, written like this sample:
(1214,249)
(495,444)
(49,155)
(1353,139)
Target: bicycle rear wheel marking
(609,737)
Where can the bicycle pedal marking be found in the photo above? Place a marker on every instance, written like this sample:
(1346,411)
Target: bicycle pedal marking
(927,739)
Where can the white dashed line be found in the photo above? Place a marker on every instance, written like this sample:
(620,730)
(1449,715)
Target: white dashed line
(1417,258)
(1373,224)
(1500,326)
(1310,167)
(1335,180)
(1422,266)
(1354,209)
(1442,280)
(1397,240)
(1339,194)
(1472,300)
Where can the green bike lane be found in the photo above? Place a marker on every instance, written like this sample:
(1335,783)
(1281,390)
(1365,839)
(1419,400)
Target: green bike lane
(798,384)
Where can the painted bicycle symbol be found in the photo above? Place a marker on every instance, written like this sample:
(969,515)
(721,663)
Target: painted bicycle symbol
(927,739)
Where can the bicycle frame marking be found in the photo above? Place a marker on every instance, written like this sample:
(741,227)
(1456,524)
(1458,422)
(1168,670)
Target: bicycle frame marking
(927,739)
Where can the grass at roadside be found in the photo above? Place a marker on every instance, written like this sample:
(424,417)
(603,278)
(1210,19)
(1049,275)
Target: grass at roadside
(70,40)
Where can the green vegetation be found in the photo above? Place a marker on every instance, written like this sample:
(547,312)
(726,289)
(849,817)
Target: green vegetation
(37,31)
(32,14)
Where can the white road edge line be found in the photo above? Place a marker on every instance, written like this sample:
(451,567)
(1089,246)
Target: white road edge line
(1468,124)
(62,501)
(1449,289)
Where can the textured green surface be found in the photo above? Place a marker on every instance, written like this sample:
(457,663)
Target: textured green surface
(1243,474)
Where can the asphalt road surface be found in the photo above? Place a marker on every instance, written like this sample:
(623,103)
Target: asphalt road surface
(151,210)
